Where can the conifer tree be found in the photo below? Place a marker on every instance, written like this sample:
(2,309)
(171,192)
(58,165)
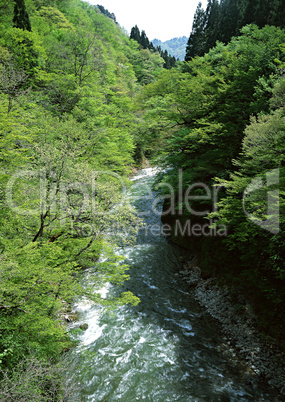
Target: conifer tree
(21,18)
(278,13)
(135,34)
(144,41)
(223,19)
(196,41)
(230,16)
(249,12)
(213,22)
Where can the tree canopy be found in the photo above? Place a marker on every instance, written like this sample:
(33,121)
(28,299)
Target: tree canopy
(224,19)
(67,145)
(219,122)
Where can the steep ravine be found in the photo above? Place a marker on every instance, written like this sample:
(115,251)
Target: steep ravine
(168,348)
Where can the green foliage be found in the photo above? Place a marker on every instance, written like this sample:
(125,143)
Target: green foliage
(106,12)
(212,102)
(55,18)
(223,20)
(33,379)
(32,288)
(67,139)
(7,13)
(221,120)
(147,65)
(262,264)
(195,44)
(142,39)
(135,34)
(12,80)
(26,51)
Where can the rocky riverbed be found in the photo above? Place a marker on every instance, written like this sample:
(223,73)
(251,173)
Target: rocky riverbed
(239,324)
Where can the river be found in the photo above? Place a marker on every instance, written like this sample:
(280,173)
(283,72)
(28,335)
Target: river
(165,349)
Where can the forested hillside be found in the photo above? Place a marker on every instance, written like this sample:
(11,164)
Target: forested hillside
(223,19)
(68,138)
(239,142)
(141,38)
(222,122)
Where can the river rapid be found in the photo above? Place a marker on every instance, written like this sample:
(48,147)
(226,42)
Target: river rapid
(167,348)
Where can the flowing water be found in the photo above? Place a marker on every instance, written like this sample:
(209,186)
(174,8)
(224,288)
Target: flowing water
(164,349)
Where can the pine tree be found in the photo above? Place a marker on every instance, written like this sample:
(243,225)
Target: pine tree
(212,31)
(144,41)
(172,61)
(277,13)
(265,11)
(250,12)
(21,18)
(135,34)
(196,41)
(165,57)
(223,19)
(229,20)
(262,12)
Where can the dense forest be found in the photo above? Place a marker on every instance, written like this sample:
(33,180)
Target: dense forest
(220,121)
(68,76)
(223,19)
(81,105)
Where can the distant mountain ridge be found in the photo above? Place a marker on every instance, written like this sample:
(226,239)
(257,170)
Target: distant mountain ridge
(176,46)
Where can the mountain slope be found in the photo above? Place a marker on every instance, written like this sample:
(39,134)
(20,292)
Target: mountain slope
(69,76)
(176,46)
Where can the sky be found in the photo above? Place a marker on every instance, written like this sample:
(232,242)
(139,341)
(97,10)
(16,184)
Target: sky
(159,19)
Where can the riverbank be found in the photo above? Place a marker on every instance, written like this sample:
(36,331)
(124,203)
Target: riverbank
(239,325)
